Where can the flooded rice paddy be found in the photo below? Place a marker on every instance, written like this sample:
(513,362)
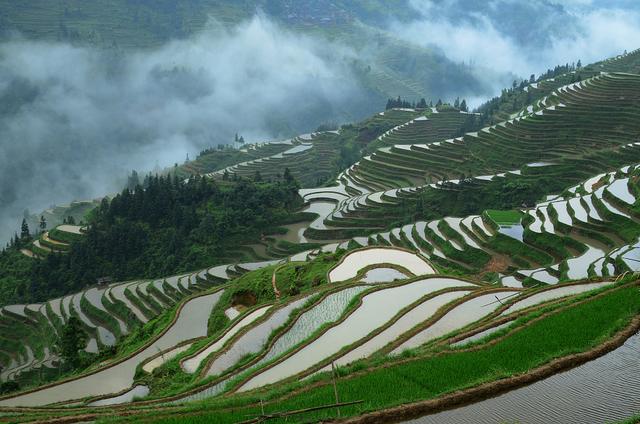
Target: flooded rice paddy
(604,390)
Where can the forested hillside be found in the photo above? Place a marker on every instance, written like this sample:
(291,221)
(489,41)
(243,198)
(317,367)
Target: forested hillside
(162,227)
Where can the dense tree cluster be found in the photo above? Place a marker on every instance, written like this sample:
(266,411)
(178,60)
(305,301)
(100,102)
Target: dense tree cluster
(402,103)
(422,104)
(161,227)
(559,70)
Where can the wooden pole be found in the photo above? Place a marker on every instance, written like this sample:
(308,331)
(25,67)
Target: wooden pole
(335,386)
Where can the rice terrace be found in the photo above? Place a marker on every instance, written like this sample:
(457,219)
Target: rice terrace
(437,260)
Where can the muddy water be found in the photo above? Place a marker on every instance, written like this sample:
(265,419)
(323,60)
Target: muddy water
(323,209)
(578,210)
(377,308)
(136,392)
(254,339)
(460,316)
(165,357)
(192,364)
(106,337)
(555,293)
(383,275)
(417,315)
(191,323)
(513,231)
(579,267)
(563,212)
(355,261)
(118,293)
(604,390)
(455,224)
(329,310)
(620,189)
(94,296)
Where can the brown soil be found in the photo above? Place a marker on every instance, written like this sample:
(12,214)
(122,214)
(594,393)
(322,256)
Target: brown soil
(243,300)
(498,263)
(28,253)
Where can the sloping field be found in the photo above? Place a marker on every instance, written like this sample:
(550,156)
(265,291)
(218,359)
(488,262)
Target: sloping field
(399,295)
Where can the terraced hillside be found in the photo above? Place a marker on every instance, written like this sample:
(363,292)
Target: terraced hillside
(369,308)
(440,269)
(542,152)
(310,157)
(55,241)
(107,314)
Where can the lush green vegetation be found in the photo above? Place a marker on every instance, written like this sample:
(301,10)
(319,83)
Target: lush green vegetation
(575,329)
(255,288)
(251,290)
(504,217)
(15,271)
(166,227)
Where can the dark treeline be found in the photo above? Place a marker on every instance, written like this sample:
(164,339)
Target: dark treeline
(517,98)
(559,70)
(168,227)
(422,104)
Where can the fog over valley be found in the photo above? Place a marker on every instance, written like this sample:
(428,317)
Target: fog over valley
(75,118)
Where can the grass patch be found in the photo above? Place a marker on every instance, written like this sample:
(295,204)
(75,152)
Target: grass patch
(504,217)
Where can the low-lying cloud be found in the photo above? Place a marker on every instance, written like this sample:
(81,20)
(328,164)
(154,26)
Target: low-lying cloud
(73,120)
(506,37)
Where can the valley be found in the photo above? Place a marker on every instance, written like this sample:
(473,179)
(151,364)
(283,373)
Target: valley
(443,266)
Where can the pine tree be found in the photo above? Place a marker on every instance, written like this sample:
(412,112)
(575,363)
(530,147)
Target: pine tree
(225,175)
(257,177)
(43,224)
(24,230)
(72,340)
(288,178)
(439,103)
(463,106)
(133,181)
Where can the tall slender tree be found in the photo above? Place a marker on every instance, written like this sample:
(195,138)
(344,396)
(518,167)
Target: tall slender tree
(43,224)
(24,230)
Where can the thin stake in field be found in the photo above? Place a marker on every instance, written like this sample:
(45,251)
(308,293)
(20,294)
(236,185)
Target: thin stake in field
(266,417)
(335,386)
